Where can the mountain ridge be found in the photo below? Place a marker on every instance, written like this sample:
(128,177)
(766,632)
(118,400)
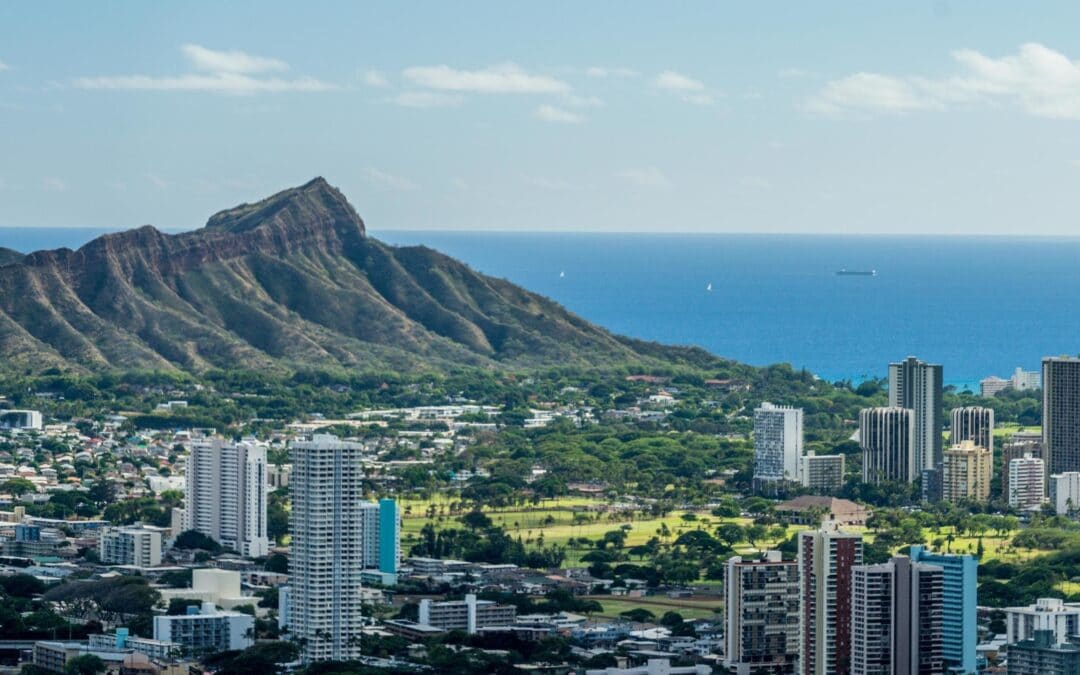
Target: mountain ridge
(287,282)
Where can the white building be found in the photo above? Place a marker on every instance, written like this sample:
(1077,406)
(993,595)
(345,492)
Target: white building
(822,473)
(208,632)
(218,587)
(377,517)
(778,443)
(327,552)
(1026,482)
(992,386)
(973,423)
(20,419)
(653,667)
(1046,614)
(888,441)
(139,546)
(1065,492)
(469,615)
(761,615)
(225,496)
(1025,379)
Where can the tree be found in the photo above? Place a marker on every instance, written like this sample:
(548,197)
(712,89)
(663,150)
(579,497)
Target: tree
(638,615)
(17,486)
(87,664)
(277,562)
(22,585)
(193,539)
(476,520)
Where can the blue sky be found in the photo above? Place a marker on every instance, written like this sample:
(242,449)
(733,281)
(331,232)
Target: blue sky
(940,117)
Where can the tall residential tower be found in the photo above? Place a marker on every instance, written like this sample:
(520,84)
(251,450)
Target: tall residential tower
(225,495)
(1061,414)
(778,443)
(327,551)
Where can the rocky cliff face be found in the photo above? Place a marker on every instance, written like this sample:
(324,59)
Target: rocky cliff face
(291,281)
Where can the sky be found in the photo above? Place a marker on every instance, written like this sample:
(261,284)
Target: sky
(826,117)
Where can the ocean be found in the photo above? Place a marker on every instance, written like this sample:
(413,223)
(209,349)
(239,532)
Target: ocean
(979,306)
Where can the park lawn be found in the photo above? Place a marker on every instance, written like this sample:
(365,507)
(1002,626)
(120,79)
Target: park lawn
(688,608)
(1069,588)
(554,519)
(1010,429)
(994,547)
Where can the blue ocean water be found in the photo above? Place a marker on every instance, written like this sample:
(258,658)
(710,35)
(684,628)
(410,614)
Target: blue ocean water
(979,306)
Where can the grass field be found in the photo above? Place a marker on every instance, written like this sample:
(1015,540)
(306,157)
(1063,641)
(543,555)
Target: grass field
(688,608)
(561,520)
(1010,429)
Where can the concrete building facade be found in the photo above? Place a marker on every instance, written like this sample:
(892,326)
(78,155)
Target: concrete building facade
(225,495)
(778,443)
(826,558)
(761,615)
(327,551)
(966,472)
(888,441)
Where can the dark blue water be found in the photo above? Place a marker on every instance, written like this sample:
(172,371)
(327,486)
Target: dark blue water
(979,306)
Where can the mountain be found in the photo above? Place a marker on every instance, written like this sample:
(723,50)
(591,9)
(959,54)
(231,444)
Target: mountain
(289,282)
(8,256)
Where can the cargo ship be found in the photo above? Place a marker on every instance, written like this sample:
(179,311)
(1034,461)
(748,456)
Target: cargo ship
(856,273)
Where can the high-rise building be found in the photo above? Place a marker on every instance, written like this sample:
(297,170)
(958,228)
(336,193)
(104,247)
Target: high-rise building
(327,551)
(1064,492)
(822,473)
(992,386)
(381,535)
(225,495)
(887,439)
(1027,483)
(916,385)
(1022,380)
(973,423)
(1015,449)
(1042,654)
(389,536)
(826,558)
(778,443)
(761,615)
(1061,414)
(959,609)
(896,618)
(966,473)
(1052,614)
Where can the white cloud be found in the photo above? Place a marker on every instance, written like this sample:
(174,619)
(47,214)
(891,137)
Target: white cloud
(426,99)
(157,181)
(226,72)
(601,71)
(870,91)
(53,184)
(553,184)
(1041,81)
(689,89)
(505,78)
(4,66)
(386,181)
(673,81)
(550,113)
(649,177)
(374,78)
(234,61)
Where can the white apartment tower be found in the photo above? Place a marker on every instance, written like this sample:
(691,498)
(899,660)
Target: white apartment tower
(1026,482)
(327,551)
(226,495)
(778,443)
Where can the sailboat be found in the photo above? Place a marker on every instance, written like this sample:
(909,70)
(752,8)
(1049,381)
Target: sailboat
(709,287)
(562,274)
